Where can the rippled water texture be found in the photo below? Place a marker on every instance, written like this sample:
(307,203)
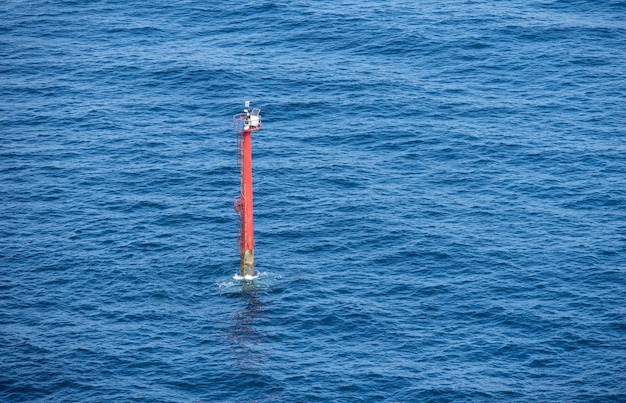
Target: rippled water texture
(440,201)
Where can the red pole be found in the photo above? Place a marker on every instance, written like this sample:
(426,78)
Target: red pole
(247,217)
(249,122)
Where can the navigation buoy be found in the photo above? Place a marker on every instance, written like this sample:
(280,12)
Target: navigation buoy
(245,123)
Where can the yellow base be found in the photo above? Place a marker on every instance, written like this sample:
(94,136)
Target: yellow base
(246,263)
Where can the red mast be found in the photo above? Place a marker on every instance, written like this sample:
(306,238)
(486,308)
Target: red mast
(245,123)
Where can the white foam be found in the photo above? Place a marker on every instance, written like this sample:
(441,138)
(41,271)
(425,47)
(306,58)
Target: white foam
(261,280)
(246,277)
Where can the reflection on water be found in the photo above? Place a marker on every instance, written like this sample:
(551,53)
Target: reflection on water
(243,334)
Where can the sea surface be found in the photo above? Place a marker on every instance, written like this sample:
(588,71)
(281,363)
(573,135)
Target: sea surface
(440,201)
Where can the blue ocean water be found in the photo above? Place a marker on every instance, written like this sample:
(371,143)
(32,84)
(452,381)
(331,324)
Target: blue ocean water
(440,201)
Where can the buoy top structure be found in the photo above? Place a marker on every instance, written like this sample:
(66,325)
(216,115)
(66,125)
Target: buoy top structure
(245,123)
